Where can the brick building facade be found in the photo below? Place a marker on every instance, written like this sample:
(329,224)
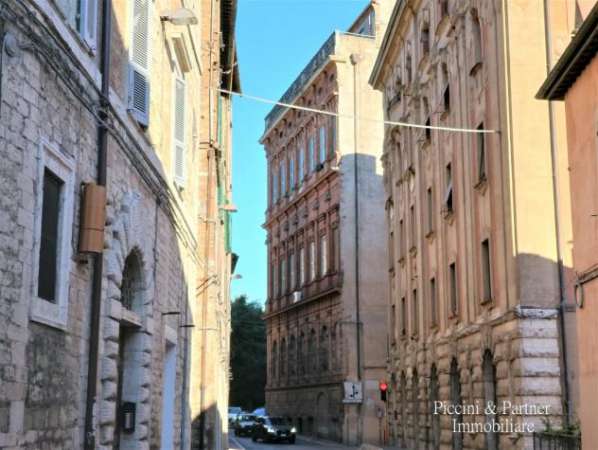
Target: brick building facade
(326,294)
(479,223)
(144,278)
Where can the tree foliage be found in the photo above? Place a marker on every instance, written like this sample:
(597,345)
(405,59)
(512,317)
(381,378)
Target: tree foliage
(248,355)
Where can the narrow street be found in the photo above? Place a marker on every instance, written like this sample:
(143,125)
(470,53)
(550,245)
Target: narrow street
(245,443)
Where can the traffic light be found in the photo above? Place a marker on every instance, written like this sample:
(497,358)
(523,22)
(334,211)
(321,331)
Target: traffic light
(383,388)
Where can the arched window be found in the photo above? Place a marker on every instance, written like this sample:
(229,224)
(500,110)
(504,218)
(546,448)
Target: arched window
(435,418)
(324,349)
(301,354)
(132,283)
(311,351)
(283,358)
(415,409)
(273,360)
(292,356)
(455,397)
(476,36)
(489,378)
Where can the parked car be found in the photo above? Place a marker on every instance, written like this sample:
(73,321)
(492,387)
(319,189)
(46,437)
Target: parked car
(272,429)
(233,412)
(244,424)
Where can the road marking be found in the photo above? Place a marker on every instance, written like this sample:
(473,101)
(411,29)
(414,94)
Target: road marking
(241,447)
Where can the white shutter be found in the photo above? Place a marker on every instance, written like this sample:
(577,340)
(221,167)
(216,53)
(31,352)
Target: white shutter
(139,61)
(88,22)
(179,131)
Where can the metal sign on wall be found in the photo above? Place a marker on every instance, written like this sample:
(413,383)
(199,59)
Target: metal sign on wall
(353,392)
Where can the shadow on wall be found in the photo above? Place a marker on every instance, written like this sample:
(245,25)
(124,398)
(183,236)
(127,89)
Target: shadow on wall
(211,423)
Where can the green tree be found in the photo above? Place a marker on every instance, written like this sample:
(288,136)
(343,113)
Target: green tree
(248,355)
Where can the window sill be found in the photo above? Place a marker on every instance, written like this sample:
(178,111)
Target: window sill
(449,215)
(430,235)
(482,185)
(47,313)
(486,301)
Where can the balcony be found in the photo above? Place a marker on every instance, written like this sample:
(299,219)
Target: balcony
(328,284)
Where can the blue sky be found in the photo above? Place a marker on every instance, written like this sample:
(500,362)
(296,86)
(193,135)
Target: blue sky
(275,39)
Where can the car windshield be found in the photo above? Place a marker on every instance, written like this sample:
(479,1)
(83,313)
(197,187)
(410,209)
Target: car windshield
(278,421)
(246,418)
(234,410)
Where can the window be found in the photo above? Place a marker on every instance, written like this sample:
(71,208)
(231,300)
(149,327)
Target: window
(415,314)
(274,183)
(283,357)
(274,278)
(283,275)
(292,172)
(88,22)
(393,330)
(448,197)
(301,354)
(302,266)
(292,271)
(335,249)
(301,165)
(428,131)
(447,93)
(455,399)
(323,255)
(312,357)
(413,226)
(274,360)
(433,303)
(283,178)
(312,261)
(425,39)
(443,8)
(430,199)
(434,397)
(139,62)
(48,249)
(408,68)
(391,250)
(486,271)
(403,316)
(322,145)
(53,231)
(332,130)
(312,154)
(481,153)
(179,131)
(453,300)
(402,241)
(292,356)
(476,36)
(324,349)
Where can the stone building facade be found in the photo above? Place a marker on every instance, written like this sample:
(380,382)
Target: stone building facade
(573,79)
(99,348)
(479,222)
(325,312)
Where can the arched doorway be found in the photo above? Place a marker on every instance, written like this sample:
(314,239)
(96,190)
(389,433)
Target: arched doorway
(130,358)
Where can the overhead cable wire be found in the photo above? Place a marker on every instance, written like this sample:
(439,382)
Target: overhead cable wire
(349,116)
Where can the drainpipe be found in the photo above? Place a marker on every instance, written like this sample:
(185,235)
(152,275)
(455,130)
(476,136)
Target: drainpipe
(96,289)
(355,59)
(557,210)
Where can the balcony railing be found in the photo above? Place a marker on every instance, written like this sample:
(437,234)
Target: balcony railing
(557,441)
(320,286)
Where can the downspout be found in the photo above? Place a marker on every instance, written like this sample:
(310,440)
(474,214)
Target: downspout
(355,59)
(202,413)
(96,288)
(557,210)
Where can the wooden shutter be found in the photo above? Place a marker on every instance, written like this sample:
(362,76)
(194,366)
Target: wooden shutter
(179,131)
(139,62)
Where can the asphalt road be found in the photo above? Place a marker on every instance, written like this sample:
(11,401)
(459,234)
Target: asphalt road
(243,443)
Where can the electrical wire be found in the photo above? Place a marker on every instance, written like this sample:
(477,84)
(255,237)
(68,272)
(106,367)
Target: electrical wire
(361,118)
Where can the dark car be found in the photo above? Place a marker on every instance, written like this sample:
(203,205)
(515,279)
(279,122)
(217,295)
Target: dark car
(244,424)
(273,429)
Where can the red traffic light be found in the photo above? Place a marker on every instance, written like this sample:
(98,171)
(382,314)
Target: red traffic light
(383,386)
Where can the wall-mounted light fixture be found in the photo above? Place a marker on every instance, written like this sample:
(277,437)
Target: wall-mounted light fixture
(179,16)
(229,208)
